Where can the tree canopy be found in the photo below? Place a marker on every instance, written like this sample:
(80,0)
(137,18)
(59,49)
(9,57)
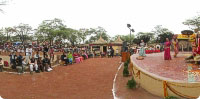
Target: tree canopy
(193,23)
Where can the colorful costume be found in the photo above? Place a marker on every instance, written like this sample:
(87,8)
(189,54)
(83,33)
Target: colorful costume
(142,50)
(176,47)
(167,55)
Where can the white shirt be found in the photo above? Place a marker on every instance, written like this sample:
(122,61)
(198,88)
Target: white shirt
(28,51)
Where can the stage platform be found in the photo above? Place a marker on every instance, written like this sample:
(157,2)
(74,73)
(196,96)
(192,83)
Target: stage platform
(167,77)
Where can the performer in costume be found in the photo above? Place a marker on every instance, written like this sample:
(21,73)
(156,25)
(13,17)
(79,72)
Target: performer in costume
(167,55)
(142,50)
(176,46)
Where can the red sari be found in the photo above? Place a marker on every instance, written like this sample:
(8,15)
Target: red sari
(167,55)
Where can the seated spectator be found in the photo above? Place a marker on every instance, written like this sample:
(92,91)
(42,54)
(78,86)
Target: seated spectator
(84,55)
(64,58)
(46,63)
(33,64)
(70,57)
(1,65)
(40,65)
(19,60)
(23,65)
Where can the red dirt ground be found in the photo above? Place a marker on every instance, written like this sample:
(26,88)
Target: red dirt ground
(92,79)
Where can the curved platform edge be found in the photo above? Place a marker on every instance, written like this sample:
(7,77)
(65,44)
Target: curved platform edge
(162,86)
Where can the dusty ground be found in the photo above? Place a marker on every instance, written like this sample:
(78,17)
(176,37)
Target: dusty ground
(92,79)
(124,93)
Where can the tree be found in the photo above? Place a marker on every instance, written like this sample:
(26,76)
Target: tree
(83,34)
(97,32)
(193,22)
(73,36)
(2,36)
(51,29)
(22,31)
(9,31)
(123,37)
(145,36)
(162,33)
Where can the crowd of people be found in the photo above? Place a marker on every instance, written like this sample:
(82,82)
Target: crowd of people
(38,59)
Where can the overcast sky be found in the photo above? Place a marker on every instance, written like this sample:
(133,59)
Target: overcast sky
(113,15)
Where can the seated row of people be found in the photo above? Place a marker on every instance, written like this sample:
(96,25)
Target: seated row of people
(37,64)
(69,58)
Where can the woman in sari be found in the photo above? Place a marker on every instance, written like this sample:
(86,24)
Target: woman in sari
(176,47)
(167,55)
(142,50)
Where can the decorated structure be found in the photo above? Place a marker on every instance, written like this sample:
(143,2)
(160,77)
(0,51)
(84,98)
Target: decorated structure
(101,46)
(186,39)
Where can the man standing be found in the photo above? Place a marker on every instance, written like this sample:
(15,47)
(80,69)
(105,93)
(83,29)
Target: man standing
(28,54)
(45,50)
(13,60)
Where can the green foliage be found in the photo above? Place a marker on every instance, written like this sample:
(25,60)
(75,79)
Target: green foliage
(193,22)
(145,36)
(22,31)
(97,32)
(83,34)
(162,33)
(162,37)
(126,64)
(125,72)
(131,83)
(52,29)
(171,97)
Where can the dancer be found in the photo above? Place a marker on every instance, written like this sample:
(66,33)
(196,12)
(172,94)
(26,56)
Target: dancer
(167,55)
(176,46)
(142,50)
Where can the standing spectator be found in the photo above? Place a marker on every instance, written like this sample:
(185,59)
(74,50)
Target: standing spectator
(112,52)
(37,55)
(52,54)
(109,53)
(1,65)
(45,50)
(13,60)
(29,51)
(1,48)
(117,52)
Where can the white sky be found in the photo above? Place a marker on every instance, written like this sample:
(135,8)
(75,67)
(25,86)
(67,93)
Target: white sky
(113,15)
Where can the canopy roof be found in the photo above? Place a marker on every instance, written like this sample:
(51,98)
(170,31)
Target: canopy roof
(100,41)
(118,40)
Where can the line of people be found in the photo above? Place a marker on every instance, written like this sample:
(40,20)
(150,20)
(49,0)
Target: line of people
(71,57)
